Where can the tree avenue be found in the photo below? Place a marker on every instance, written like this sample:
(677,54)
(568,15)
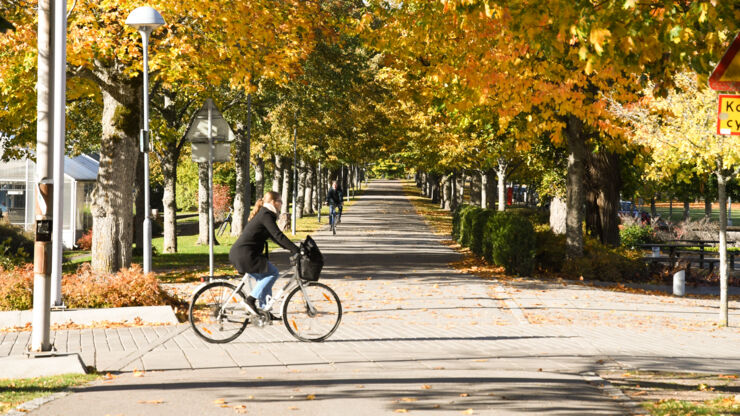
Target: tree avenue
(554,63)
(572,99)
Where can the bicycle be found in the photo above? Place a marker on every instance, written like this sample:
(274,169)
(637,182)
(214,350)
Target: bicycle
(222,227)
(311,311)
(333,219)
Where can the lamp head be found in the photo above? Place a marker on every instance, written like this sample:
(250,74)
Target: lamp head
(145,19)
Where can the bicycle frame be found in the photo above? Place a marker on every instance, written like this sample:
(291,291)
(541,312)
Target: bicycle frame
(293,282)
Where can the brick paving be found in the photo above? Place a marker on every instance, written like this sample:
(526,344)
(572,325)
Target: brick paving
(410,321)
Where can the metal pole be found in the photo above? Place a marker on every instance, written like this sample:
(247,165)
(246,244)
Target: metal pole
(40,332)
(210,187)
(318,190)
(59,98)
(147,210)
(295,173)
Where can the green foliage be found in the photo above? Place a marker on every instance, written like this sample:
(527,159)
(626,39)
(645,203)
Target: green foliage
(633,235)
(600,262)
(457,217)
(509,241)
(16,246)
(550,254)
(478,229)
(187,183)
(387,169)
(467,226)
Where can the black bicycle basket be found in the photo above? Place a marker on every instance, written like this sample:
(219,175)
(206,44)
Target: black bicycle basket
(311,262)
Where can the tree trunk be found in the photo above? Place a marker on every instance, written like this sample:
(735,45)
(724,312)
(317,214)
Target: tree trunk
(603,182)
(277,175)
(285,187)
(300,199)
(308,190)
(202,204)
(686,209)
(501,175)
(723,272)
(653,208)
(558,215)
(483,190)
(460,188)
(476,187)
(169,174)
(574,188)
(259,179)
(112,207)
(444,197)
(707,207)
(243,193)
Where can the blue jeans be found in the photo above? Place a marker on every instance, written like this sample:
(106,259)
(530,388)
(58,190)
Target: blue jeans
(264,284)
(332,209)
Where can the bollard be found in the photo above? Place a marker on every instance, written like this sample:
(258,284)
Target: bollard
(656,251)
(679,283)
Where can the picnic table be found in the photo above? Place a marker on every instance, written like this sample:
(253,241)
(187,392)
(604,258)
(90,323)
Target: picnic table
(680,250)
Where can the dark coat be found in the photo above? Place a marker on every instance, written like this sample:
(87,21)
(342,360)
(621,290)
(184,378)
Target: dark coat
(334,197)
(248,254)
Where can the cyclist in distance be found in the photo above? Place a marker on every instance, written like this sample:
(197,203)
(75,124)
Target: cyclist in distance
(249,252)
(334,200)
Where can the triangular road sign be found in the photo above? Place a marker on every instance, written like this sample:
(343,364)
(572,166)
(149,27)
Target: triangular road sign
(726,76)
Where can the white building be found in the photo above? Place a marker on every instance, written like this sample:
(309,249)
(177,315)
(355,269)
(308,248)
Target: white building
(17,183)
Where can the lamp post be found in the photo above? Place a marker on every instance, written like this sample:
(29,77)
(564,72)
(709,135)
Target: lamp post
(145,19)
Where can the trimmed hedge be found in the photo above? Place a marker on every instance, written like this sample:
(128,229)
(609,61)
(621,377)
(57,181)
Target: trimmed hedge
(479,222)
(467,226)
(509,241)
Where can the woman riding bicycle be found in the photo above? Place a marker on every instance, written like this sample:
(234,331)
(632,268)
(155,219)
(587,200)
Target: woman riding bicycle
(249,252)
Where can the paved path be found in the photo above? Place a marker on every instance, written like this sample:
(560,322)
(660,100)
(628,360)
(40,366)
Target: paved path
(416,336)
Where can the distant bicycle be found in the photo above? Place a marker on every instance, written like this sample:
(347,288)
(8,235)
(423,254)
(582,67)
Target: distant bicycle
(227,221)
(333,219)
(311,311)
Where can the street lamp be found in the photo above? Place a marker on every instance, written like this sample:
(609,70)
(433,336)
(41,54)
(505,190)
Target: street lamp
(145,19)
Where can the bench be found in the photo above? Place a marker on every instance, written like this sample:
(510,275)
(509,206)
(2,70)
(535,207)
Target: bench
(681,252)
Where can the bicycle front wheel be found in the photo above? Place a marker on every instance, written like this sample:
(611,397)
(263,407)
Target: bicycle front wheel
(217,313)
(313,313)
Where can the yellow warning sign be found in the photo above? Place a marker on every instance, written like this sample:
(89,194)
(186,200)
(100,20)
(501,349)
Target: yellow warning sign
(728,115)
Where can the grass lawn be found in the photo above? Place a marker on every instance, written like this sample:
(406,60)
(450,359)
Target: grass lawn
(16,391)
(696,211)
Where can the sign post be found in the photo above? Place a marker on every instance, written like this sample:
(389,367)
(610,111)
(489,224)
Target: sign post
(210,136)
(726,78)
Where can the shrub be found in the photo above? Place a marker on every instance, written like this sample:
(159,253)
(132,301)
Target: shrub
(534,215)
(85,242)
(467,228)
(480,219)
(86,289)
(600,262)
(457,216)
(509,241)
(16,287)
(550,251)
(633,235)
(221,201)
(16,246)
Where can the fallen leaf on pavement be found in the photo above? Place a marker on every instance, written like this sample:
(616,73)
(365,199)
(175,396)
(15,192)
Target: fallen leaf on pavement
(468,412)
(401,411)
(408,399)
(426,387)
(311,397)
(151,401)
(219,401)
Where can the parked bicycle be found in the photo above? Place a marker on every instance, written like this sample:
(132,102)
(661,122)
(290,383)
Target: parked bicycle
(311,311)
(227,221)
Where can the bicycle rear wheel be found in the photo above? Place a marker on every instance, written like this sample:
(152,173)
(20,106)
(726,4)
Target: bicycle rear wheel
(316,323)
(217,313)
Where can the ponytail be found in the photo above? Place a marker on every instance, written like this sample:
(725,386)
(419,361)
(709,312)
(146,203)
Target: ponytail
(257,205)
(269,197)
